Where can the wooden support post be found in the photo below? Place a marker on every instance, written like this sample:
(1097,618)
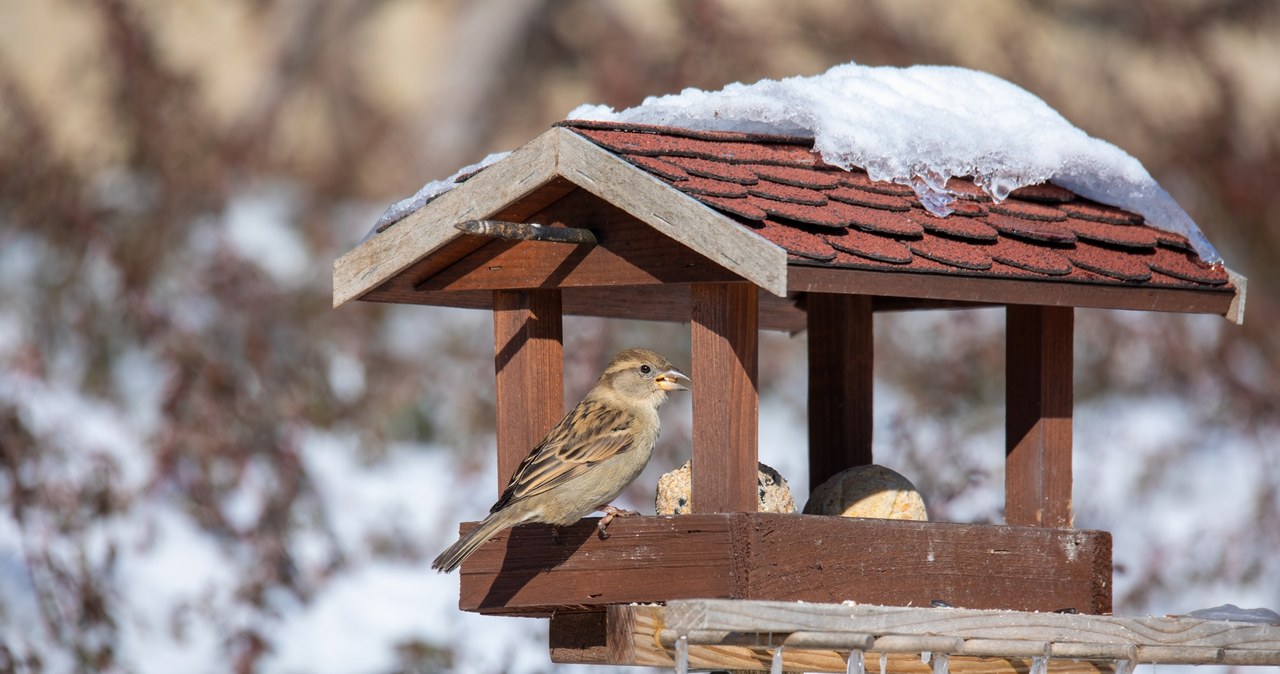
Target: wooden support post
(840,381)
(726,405)
(528,346)
(1038,401)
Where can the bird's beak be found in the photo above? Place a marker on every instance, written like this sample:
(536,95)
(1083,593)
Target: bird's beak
(670,380)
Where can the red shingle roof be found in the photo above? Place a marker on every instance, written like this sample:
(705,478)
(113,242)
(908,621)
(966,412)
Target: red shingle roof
(825,216)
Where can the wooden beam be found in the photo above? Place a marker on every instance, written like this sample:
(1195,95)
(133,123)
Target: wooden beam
(726,404)
(840,382)
(1038,401)
(528,571)
(529,359)
(664,302)
(627,252)
(1009,291)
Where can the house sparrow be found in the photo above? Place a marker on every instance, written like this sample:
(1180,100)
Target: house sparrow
(595,451)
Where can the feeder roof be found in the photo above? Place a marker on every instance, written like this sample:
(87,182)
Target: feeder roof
(769,210)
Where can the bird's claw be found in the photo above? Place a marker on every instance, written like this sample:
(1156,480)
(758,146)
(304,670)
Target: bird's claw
(611,512)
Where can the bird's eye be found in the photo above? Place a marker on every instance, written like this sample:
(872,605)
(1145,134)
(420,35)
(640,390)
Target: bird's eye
(645,369)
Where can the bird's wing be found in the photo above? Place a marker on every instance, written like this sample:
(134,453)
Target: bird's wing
(589,434)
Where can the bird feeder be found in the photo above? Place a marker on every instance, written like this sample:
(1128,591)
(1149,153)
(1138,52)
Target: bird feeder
(735,233)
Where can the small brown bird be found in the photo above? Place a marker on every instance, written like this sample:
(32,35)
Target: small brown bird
(595,451)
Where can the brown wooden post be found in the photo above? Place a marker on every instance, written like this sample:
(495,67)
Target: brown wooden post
(840,380)
(528,347)
(1038,401)
(726,404)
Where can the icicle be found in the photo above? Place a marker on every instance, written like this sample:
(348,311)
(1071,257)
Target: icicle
(857,663)
(1124,666)
(1040,665)
(940,664)
(682,655)
(884,662)
(924,656)
(776,667)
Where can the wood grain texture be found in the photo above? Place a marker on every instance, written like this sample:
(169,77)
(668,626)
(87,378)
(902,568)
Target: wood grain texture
(528,346)
(1007,291)
(578,637)
(788,557)
(668,303)
(894,562)
(1038,408)
(840,382)
(628,252)
(726,407)
(420,233)
(673,213)
(527,571)
(633,635)
(1147,639)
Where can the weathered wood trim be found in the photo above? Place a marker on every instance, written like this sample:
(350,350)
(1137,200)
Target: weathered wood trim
(527,571)
(1038,410)
(726,397)
(840,383)
(394,250)
(1171,640)
(528,348)
(663,302)
(634,636)
(672,212)
(1008,291)
(1235,312)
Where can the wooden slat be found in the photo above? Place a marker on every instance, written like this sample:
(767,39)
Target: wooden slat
(527,571)
(668,302)
(1038,405)
(726,408)
(840,382)
(1008,291)
(679,216)
(528,347)
(633,633)
(792,557)
(627,252)
(905,563)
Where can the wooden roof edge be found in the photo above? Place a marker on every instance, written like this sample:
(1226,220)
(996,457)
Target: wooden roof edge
(1224,301)
(673,213)
(560,152)
(382,256)
(1235,312)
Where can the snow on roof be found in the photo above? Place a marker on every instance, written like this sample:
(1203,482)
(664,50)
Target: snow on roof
(921,126)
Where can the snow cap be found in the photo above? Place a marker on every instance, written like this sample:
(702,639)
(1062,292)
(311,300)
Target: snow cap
(922,125)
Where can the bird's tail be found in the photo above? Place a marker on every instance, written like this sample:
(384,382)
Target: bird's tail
(455,554)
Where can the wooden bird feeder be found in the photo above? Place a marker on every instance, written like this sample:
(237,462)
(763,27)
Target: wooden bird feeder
(734,233)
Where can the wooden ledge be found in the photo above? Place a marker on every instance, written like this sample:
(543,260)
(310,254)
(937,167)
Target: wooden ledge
(526,571)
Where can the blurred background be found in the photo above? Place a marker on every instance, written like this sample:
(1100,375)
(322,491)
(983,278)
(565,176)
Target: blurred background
(205,468)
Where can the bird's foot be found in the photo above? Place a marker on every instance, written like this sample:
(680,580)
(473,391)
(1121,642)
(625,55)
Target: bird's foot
(555,534)
(611,512)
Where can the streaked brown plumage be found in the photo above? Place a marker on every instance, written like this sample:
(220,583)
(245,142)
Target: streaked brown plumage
(595,451)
